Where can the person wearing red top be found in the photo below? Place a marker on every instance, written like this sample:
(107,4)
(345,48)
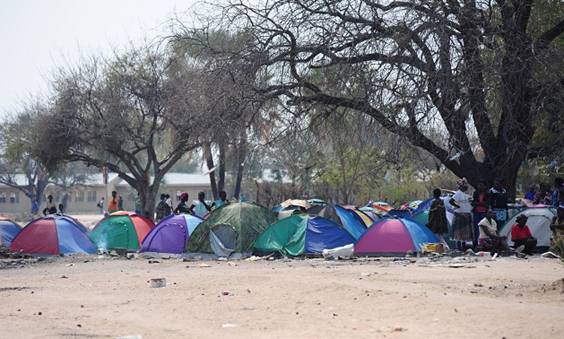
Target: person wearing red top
(522,237)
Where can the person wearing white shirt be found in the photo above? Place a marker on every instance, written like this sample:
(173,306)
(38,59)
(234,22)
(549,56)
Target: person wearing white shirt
(462,223)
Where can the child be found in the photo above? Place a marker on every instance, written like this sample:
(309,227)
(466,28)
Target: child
(521,236)
(437,216)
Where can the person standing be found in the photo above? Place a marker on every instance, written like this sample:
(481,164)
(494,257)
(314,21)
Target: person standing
(462,223)
(113,204)
(480,208)
(497,201)
(182,206)
(438,223)
(558,192)
(201,208)
(138,205)
(120,203)
(100,205)
(221,201)
(531,193)
(162,208)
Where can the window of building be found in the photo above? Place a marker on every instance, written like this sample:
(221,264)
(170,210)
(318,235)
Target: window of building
(14,199)
(79,196)
(91,196)
(2,198)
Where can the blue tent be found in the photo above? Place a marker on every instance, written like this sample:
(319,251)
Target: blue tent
(302,234)
(171,234)
(351,222)
(8,231)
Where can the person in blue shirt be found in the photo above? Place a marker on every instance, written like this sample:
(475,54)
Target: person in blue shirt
(221,201)
(530,194)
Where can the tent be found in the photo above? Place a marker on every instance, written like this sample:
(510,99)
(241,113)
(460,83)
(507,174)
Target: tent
(8,231)
(52,235)
(121,231)
(171,234)
(302,234)
(366,217)
(370,212)
(539,220)
(231,228)
(351,221)
(393,237)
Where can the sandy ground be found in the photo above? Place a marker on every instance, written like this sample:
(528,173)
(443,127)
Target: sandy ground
(99,297)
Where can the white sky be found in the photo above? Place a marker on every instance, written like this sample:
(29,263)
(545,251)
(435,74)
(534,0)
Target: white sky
(38,35)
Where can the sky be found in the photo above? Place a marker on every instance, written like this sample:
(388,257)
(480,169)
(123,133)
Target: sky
(37,36)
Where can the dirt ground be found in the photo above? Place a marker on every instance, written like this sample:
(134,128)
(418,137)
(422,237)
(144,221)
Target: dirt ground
(105,297)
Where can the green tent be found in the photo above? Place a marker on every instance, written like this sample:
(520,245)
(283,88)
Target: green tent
(287,236)
(231,228)
(121,231)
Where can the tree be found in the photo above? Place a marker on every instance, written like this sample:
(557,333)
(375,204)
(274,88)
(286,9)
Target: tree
(16,138)
(469,69)
(123,114)
(228,96)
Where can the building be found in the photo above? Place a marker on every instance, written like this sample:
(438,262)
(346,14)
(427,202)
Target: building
(82,199)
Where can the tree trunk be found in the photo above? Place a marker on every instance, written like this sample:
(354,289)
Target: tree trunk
(209,162)
(241,155)
(221,169)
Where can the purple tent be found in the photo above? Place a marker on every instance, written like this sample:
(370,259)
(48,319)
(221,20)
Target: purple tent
(171,234)
(393,237)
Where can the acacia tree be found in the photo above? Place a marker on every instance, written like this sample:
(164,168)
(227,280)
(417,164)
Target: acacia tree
(123,114)
(228,96)
(466,68)
(16,138)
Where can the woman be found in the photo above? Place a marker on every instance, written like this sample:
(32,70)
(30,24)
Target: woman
(462,224)
(50,207)
(438,223)
(480,209)
(182,207)
(521,236)
(489,239)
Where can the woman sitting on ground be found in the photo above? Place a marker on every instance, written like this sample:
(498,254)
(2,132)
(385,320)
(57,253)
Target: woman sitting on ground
(521,236)
(489,239)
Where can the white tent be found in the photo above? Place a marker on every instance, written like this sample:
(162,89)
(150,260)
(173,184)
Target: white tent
(539,223)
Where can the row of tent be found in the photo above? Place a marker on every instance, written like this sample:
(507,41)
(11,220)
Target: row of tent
(241,227)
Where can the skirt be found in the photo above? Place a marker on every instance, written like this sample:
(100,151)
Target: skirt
(462,227)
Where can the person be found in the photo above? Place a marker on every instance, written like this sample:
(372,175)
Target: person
(120,203)
(489,239)
(162,210)
(50,207)
(61,209)
(558,192)
(462,223)
(100,205)
(479,210)
(497,201)
(221,201)
(182,207)
(34,207)
(201,208)
(531,193)
(523,240)
(138,205)
(557,228)
(438,223)
(169,202)
(113,205)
